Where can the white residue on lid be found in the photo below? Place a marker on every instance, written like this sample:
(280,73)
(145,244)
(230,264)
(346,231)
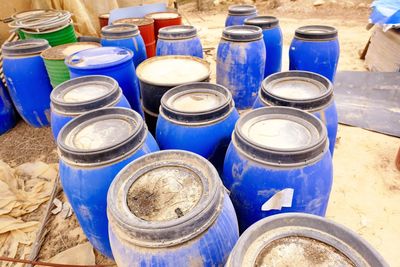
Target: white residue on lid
(166,15)
(76,48)
(296,89)
(196,101)
(85,92)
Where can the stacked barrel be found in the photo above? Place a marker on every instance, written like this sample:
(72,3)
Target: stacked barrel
(265,135)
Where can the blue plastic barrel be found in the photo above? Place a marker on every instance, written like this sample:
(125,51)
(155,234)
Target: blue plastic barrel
(241,63)
(315,48)
(204,112)
(80,95)
(272,36)
(127,36)
(179,40)
(27,80)
(93,148)
(238,13)
(115,62)
(299,239)
(169,208)
(8,116)
(278,161)
(304,90)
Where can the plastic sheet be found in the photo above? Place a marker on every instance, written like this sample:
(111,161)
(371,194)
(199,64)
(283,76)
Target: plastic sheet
(386,13)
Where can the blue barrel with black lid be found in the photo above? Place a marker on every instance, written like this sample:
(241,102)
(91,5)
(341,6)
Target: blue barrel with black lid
(27,80)
(127,36)
(241,62)
(315,48)
(237,14)
(170,208)
(272,36)
(93,148)
(303,90)
(278,161)
(204,112)
(115,62)
(83,94)
(179,40)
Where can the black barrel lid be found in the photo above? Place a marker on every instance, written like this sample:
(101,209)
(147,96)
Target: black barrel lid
(242,33)
(119,30)
(85,93)
(196,102)
(281,136)
(100,136)
(177,32)
(299,89)
(316,32)
(242,10)
(264,22)
(25,47)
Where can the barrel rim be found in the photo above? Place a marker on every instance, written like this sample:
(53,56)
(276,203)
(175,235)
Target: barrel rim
(281,156)
(242,10)
(19,48)
(268,23)
(171,84)
(108,33)
(310,104)
(111,153)
(104,16)
(187,31)
(316,32)
(45,55)
(306,225)
(165,233)
(163,12)
(254,33)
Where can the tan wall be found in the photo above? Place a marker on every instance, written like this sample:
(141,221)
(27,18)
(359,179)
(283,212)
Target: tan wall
(7,8)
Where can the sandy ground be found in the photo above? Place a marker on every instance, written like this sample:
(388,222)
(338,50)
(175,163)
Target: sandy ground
(366,189)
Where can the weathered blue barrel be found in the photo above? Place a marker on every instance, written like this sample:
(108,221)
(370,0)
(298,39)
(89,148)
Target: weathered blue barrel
(204,112)
(298,239)
(238,13)
(272,36)
(8,116)
(127,36)
(27,80)
(179,40)
(303,90)
(93,148)
(315,48)
(115,62)
(170,209)
(241,63)
(80,95)
(278,161)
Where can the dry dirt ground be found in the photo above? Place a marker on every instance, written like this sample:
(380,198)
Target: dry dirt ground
(366,189)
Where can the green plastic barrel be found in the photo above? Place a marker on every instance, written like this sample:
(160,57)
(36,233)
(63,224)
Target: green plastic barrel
(21,34)
(59,36)
(54,60)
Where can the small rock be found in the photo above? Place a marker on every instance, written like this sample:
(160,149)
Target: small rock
(59,206)
(319,2)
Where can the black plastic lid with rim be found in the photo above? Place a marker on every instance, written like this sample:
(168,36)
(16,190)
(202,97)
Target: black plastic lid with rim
(177,32)
(101,136)
(85,93)
(316,32)
(242,10)
(242,33)
(196,102)
(281,136)
(264,22)
(166,227)
(297,89)
(25,47)
(119,30)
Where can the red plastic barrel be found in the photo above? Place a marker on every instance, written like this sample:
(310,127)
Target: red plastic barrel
(146,28)
(164,19)
(103,20)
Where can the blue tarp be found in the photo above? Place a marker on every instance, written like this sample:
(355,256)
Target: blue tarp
(386,13)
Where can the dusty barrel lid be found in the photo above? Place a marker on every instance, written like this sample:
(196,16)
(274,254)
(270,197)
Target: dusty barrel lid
(242,10)
(264,22)
(281,136)
(165,198)
(60,52)
(196,103)
(177,32)
(316,32)
(163,15)
(100,136)
(299,89)
(173,70)
(299,239)
(119,31)
(134,21)
(245,33)
(25,47)
(99,57)
(85,93)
